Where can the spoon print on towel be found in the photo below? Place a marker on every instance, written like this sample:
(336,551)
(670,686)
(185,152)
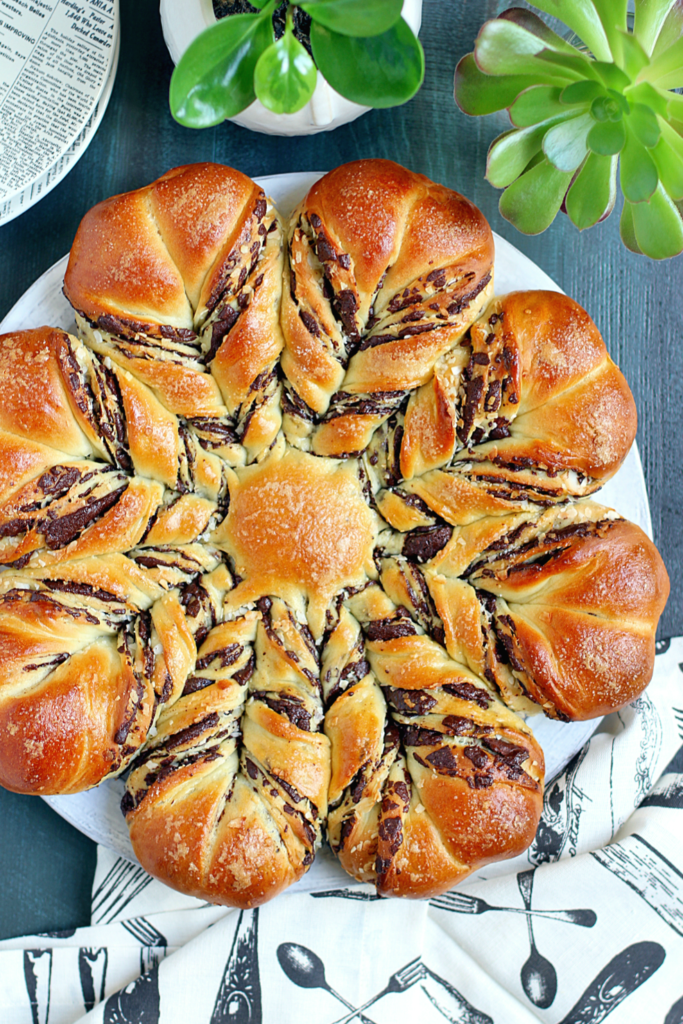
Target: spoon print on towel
(306,969)
(539,977)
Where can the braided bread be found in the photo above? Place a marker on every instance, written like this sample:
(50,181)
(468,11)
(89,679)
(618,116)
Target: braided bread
(300,523)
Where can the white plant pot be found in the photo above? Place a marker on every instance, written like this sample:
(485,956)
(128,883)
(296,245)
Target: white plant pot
(183,20)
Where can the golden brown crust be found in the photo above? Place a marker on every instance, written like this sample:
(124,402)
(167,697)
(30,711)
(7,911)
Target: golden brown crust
(291,528)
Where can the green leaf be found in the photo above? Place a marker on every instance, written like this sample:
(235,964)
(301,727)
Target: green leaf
(651,97)
(582,92)
(670,31)
(565,144)
(666,70)
(504,48)
(607,138)
(532,23)
(638,172)
(477,93)
(612,76)
(535,105)
(576,64)
(674,106)
(644,125)
(658,226)
(285,75)
(532,202)
(627,229)
(649,18)
(354,17)
(668,156)
(510,153)
(612,14)
(379,71)
(581,17)
(629,54)
(608,108)
(214,78)
(593,192)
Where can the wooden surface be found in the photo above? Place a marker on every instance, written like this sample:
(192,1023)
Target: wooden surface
(638,305)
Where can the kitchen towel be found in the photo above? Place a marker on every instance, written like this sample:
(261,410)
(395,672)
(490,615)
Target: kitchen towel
(587,924)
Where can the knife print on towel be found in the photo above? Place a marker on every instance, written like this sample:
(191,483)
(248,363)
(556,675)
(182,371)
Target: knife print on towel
(38,976)
(649,873)
(92,970)
(238,1000)
(619,979)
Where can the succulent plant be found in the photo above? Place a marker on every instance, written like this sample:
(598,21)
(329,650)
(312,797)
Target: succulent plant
(364,48)
(579,106)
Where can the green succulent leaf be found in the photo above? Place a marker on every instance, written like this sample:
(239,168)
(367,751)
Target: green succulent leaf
(627,229)
(510,153)
(644,125)
(532,202)
(575,64)
(671,30)
(611,75)
(532,23)
(214,78)
(668,157)
(608,108)
(354,17)
(593,192)
(666,70)
(638,171)
(651,97)
(565,144)
(612,14)
(285,75)
(579,16)
(582,92)
(658,227)
(504,48)
(649,18)
(477,93)
(607,138)
(535,105)
(379,71)
(629,54)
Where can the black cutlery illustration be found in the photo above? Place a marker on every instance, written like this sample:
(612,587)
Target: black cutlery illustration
(675,1014)
(398,982)
(122,883)
(137,1003)
(239,996)
(306,969)
(457,1009)
(347,894)
(38,976)
(619,979)
(92,970)
(145,932)
(461,903)
(538,976)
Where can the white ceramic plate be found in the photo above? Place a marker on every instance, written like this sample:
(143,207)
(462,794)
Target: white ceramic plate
(97,812)
(38,189)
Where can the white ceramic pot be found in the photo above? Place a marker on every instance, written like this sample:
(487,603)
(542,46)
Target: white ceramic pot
(183,20)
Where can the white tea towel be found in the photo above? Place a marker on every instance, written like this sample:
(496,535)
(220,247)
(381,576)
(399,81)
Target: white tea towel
(587,924)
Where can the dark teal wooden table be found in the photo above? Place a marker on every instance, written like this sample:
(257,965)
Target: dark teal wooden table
(46,866)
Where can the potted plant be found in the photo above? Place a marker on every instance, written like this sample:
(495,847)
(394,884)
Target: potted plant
(586,107)
(290,69)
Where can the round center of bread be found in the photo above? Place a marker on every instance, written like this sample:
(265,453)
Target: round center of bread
(299,520)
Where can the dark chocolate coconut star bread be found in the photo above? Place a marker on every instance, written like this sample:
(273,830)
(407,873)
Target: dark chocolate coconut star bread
(300,523)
